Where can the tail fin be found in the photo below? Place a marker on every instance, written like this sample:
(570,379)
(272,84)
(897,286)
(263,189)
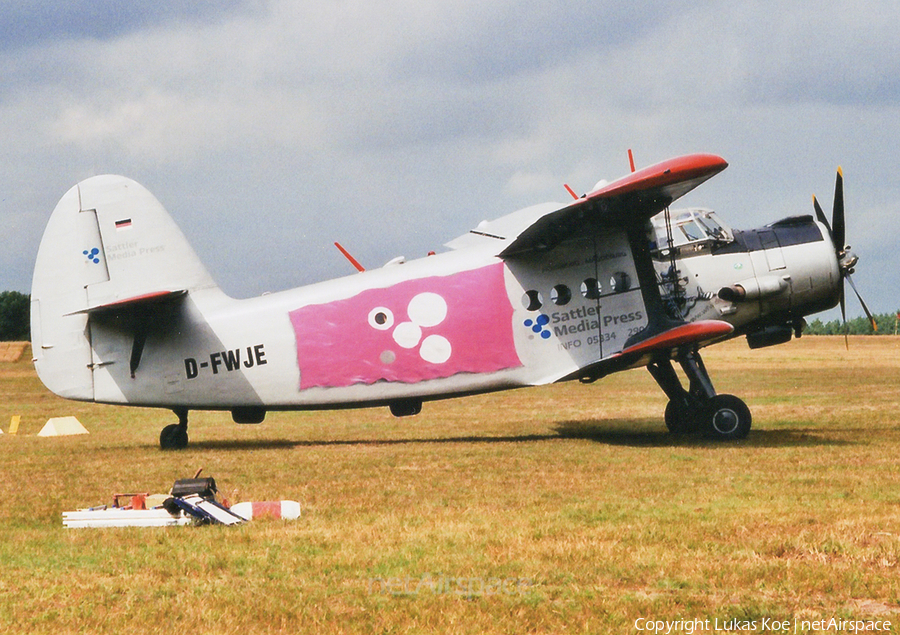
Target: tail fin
(109,243)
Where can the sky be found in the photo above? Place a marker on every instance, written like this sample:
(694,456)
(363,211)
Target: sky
(271,128)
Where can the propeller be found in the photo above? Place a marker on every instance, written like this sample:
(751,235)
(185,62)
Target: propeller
(846,259)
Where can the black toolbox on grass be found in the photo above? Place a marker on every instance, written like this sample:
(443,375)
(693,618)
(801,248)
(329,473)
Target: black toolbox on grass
(203,487)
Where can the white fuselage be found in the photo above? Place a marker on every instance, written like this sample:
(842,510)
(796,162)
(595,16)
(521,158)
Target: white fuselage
(123,311)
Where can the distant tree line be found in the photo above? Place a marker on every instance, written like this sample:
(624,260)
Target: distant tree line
(15,320)
(887,325)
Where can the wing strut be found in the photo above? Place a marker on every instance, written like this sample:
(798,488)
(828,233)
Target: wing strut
(141,329)
(672,274)
(658,320)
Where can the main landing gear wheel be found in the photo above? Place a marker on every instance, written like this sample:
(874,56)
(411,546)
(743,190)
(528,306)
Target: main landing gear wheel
(175,436)
(725,418)
(699,408)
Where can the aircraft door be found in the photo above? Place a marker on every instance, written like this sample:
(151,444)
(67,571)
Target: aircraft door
(622,312)
(560,306)
(582,300)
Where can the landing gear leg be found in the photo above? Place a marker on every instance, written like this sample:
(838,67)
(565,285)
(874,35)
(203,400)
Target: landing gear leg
(175,436)
(681,411)
(699,409)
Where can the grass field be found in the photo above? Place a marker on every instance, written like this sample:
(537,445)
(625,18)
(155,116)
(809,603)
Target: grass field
(564,509)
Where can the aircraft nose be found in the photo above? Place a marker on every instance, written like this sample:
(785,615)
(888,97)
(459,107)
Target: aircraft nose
(846,259)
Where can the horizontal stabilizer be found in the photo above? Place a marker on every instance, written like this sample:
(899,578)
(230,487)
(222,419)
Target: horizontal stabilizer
(143,301)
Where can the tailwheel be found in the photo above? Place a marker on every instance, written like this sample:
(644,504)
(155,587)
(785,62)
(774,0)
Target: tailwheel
(175,435)
(725,418)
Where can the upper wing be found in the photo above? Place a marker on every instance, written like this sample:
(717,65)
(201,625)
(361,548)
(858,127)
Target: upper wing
(631,199)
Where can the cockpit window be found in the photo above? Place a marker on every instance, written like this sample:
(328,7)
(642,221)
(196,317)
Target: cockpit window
(696,226)
(712,226)
(693,231)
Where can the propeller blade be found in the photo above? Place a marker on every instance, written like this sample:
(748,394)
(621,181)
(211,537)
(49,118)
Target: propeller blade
(837,229)
(837,213)
(820,216)
(865,308)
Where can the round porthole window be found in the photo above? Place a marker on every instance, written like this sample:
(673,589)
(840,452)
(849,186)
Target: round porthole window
(560,295)
(532,300)
(620,281)
(590,289)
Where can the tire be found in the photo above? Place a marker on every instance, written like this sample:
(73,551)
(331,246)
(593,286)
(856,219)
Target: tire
(680,417)
(725,418)
(173,437)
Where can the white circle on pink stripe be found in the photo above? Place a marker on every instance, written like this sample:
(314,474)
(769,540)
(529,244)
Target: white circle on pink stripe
(435,349)
(427,309)
(407,335)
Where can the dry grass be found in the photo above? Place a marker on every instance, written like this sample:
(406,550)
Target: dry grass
(12,351)
(561,509)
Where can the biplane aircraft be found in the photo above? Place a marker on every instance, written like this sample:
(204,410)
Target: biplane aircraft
(123,311)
